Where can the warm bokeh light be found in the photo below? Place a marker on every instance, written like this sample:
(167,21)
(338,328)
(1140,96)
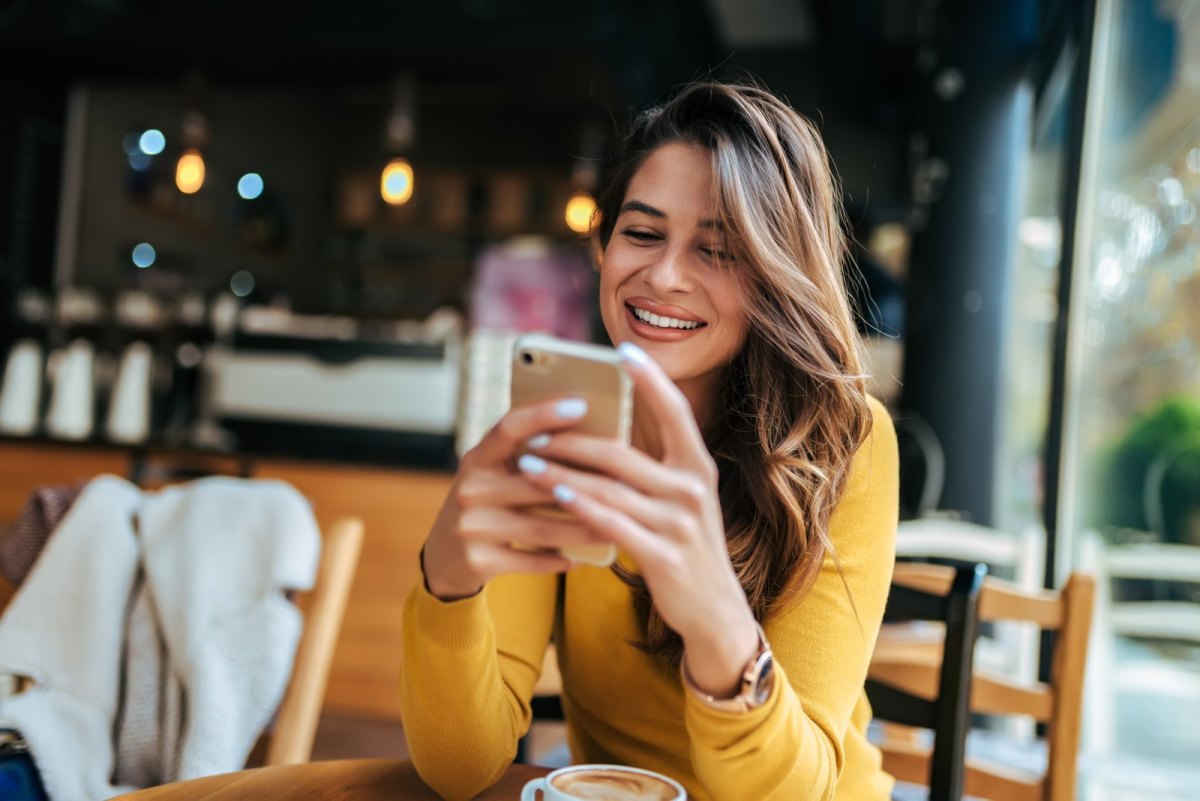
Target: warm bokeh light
(580,209)
(189,172)
(396,185)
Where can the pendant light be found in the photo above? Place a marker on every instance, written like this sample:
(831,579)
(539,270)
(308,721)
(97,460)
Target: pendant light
(397,181)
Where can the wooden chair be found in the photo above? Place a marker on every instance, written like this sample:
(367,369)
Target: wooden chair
(1163,564)
(291,738)
(1120,670)
(1057,704)
(944,709)
(1009,647)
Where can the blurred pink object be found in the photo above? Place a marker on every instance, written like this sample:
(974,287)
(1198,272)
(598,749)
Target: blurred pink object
(528,285)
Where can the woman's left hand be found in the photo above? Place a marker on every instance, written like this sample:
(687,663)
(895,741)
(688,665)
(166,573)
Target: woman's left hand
(667,516)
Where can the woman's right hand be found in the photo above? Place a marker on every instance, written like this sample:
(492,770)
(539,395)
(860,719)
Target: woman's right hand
(484,514)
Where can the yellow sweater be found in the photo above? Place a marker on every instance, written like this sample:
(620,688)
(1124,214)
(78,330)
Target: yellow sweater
(470,667)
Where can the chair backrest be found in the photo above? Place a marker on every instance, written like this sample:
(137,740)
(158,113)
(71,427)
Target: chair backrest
(944,710)
(291,739)
(1158,562)
(1057,704)
(963,541)
(1008,647)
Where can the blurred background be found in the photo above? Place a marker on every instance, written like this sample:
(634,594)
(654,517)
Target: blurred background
(300,238)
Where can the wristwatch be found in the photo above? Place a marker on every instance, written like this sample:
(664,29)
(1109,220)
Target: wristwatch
(758,679)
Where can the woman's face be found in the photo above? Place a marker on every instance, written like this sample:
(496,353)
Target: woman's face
(661,286)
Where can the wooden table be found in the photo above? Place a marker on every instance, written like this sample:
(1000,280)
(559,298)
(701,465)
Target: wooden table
(358,779)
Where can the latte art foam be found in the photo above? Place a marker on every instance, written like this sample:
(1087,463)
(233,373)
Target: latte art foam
(613,785)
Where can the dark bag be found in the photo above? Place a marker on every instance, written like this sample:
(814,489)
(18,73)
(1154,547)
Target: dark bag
(19,779)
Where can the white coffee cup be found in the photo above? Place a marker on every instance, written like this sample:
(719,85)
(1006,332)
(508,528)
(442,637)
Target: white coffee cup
(604,783)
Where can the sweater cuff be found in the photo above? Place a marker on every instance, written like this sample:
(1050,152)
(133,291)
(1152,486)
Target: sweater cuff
(719,728)
(454,625)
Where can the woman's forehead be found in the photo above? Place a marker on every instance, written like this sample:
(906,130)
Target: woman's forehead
(676,180)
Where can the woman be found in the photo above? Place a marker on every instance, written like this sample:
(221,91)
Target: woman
(761,487)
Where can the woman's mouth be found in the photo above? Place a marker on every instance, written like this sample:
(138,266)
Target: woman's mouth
(660,327)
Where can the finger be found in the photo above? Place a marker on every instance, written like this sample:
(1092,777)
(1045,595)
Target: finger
(503,526)
(628,465)
(647,511)
(495,560)
(614,526)
(499,488)
(668,407)
(523,422)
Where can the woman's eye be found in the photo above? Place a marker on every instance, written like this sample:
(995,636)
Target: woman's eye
(641,236)
(715,254)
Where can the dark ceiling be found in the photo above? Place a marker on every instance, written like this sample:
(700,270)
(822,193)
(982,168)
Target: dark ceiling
(860,67)
(860,53)
(552,50)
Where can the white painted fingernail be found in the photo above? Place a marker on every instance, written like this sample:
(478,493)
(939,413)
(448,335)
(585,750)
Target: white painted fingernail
(563,493)
(540,441)
(571,408)
(632,353)
(531,465)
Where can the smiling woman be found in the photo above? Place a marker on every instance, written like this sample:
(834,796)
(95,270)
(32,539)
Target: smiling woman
(755,509)
(724,200)
(665,283)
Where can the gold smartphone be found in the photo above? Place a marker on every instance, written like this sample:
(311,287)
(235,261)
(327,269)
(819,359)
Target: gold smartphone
(547,368)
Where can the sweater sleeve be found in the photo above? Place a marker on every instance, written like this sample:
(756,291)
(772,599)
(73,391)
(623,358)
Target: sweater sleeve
(792,746)
(468,674)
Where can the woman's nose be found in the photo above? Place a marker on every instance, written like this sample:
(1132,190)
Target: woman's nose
(669,273)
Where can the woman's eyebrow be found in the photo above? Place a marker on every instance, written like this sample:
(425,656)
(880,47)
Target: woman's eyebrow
(637,205)
(645,208)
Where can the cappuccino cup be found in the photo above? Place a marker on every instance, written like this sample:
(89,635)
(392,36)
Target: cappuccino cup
(604,783)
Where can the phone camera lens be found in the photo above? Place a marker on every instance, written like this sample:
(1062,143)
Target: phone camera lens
(527,357)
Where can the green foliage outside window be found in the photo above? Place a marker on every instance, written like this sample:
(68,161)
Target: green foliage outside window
(1150,480)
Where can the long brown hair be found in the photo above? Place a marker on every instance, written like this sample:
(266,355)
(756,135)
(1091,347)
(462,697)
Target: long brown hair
(793,408)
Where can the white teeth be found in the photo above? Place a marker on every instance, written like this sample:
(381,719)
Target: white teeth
(659,321)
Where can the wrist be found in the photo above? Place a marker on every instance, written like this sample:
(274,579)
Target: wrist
(445,591)
(714,660)
(755,685)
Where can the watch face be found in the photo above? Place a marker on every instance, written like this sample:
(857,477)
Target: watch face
(761,690)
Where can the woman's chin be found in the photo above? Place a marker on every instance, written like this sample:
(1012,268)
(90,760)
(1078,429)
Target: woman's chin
(680,366)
